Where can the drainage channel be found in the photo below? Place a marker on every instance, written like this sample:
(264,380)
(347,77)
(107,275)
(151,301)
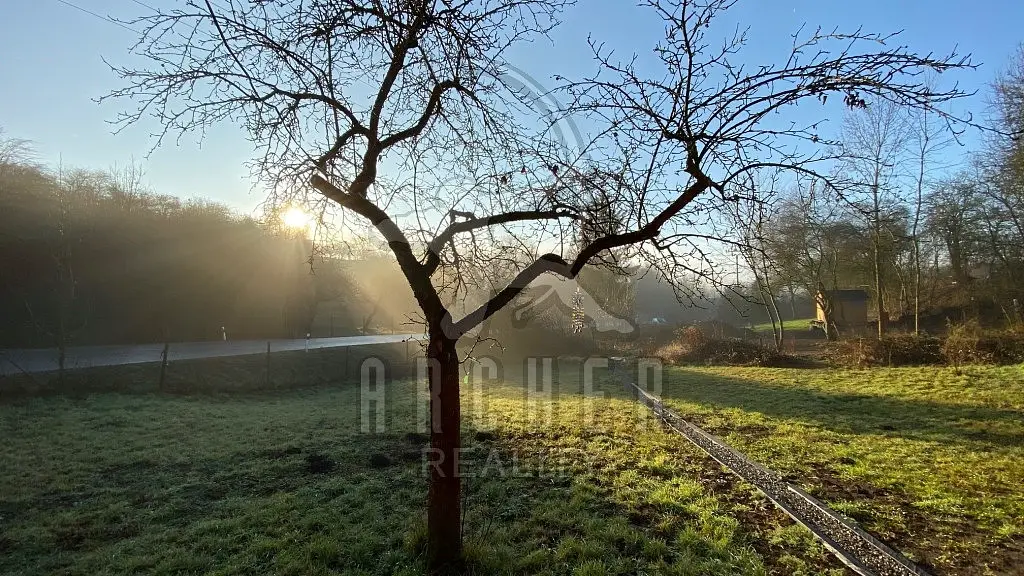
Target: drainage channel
(860,551)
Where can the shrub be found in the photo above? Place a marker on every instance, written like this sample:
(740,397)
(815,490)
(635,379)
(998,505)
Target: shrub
(645,340)
(1006,346)
(896,350)
(964,344)
(693,346)
(692,338)
(893,350)
(969,343)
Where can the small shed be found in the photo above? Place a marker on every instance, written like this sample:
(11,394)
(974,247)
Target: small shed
(849,308)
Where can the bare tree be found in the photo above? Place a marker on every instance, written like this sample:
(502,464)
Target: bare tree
(955,215)
(752,218)
(929,139)
(396,111)
(1000,176)
(1008,118)
(127,186)
(873,141)
(16,154)
(351,97)
(67,313)
(809,239)
(15,150)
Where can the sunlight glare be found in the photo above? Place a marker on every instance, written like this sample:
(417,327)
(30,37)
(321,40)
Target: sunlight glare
(296,217)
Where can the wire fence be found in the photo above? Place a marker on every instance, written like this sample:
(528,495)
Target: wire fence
(204,366)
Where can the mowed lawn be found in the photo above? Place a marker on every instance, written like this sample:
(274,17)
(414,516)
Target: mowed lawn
(927,458)
(288,483)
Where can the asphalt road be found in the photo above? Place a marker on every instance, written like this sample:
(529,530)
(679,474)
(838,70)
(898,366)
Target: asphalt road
(45,359)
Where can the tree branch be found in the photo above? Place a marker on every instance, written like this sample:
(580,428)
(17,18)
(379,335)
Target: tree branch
(432,258)
(429,112)
(414,272)
(557,265)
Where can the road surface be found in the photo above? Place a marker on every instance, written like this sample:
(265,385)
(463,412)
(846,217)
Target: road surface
(45,359)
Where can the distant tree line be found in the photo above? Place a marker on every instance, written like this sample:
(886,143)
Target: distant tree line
(93,257)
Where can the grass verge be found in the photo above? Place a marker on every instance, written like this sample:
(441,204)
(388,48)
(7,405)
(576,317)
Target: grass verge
(928,459)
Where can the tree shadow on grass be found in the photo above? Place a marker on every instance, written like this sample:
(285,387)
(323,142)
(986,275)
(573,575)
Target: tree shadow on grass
(980,427)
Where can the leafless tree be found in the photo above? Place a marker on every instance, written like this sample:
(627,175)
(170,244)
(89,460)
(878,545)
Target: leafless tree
(380,106)
(14,152)
(752,217)
(956,213)
(396,112)
(808,240)
(929,139)
(701,124)
(874,140)
(999,171)
(14,149)
(127,186)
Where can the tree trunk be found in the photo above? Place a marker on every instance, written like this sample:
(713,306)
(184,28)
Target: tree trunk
(879,299)
(904,292)
(917,283)
(823,300)
(373,312)
(876,244)
(778,332)
(443,501)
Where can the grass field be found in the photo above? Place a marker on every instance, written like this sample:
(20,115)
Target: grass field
(285,482)
(926,458)
(800,324)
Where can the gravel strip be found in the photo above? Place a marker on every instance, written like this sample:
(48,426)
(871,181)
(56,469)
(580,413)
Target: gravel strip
(859,550)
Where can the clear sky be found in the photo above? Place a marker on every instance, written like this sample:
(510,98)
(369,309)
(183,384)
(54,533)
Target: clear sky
(51,70)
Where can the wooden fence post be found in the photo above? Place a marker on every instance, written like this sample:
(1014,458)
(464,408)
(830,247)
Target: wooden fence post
(344,375)
(163,365)
(410,359)
(268,364)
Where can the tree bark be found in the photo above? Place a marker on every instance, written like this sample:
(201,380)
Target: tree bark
(876,244)
(917,282)
(879,298)
(443,501)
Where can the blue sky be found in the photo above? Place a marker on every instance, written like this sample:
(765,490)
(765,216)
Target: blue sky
(51,70)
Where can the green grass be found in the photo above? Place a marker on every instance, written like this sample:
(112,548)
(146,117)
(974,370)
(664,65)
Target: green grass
(925,457)
(928,459)
(799,324)
(162,484)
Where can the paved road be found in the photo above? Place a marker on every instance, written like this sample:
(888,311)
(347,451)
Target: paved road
(45,359)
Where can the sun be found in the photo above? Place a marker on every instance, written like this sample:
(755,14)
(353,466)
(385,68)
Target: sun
(296,217)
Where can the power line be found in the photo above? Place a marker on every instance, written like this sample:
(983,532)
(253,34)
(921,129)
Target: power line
(144,5)
(149,7)
(100,16)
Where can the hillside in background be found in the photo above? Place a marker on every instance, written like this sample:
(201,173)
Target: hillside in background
(92,257)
